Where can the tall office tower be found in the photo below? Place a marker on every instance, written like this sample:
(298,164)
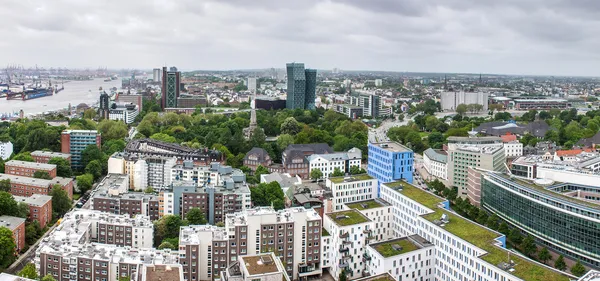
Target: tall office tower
(374,105)
(170,87)
(296,88)
(252,84)
(104,107)
(310,89)
(75,141)
(156,75)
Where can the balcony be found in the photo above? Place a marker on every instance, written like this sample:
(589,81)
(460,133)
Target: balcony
(367,231)
(366,257)
(343,265)
(366,274)
(344,249)
(344,235)
(346,241)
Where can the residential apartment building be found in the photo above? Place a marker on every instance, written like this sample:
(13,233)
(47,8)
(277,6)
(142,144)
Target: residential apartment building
(294,157)
(257,157)
(112,196)
(478,152)
(40,207)
(6,150)
(17,226)
(512,147)
(75,141)
(124,112)
(450,100)
(435,163)
(406,258)
(390,161)
(351,189)
(378,211)
(41,156)
(293,234)
(561,216)
(259,267)
(149,148)
(328,163)
(352,111)
(476,254)
(143,171)
(25,186)
(28,169)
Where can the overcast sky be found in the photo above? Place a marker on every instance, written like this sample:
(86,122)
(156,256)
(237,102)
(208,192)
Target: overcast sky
(556,37)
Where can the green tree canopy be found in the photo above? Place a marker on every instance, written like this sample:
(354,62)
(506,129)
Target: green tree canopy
(337,173)
(290,126)
(578,269)
(267,194)
(163,137)
(195,217)
(85,182)
(29,271)
(90,153)
(94,168)
(461,109)
(544,255)
(112,130)
(24,156)
(63,167)
(61,203)
(316,174)
(167,227)
(41,175)
(5,185)
(559,263)
(7,247)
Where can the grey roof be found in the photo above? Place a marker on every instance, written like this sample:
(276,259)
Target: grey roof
(589,142)
(9,277)
(30,165)
(260,154)
(314,148)
(436,155)
(392,146)
(26,180)
(37,200)
(11,222)
(304,198)
(498,128)
(284,180)
(50,154)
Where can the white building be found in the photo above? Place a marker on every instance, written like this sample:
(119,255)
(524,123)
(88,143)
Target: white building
(450,100)
(6,150)
(378,82)
(583,168)
(513,149)
(252,84)
(350,232)
(378,211)
(115,184)
(327,163)
(464,250)
(156,75)
(151,171)
(436,163)
(124,112)
(406,258)
(351,189)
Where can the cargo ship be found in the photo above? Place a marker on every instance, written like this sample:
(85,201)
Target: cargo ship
(30,94)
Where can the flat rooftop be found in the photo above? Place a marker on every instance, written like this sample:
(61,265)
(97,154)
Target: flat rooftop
(392,146)
(260,264)
(380,277)
(37,200)
(50,154)
(368,204)
(426,199)
(400,246)
(30,165)
(349,217)
(11,222)
(361,177)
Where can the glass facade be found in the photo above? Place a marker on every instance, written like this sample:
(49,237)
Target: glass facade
(569,227)
(171,89)
(311,88)
(301,87)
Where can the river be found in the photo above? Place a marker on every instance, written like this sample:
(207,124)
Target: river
(75,92)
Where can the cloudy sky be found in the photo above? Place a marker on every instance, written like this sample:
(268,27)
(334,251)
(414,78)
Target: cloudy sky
(555,37)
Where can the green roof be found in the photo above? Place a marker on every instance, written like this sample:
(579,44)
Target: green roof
(324,232)
(387,250)
(425,198)
(360,177)
(477,235)
(364,205)
(350,217)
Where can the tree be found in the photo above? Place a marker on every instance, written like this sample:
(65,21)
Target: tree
(8,205)
(149,190)
(49,277)
(41,175)
(85,181)
(24,156)
(163,137)
(316,174)
(528,246)
(337,173)
(436,140)
(267,194)
(7,247)
(112,130)
(89,114)
(22,210)
(94,168)
(166,245)
(559,263)
(195,217)
(290,126)
(544,255)
(90,153)
(63,167)
(461,109)
(284,140)
(343,276)
(503,228)
(515,236)
(5,185)
(111,146)
(356,170)
(61,203)
(29,271)
(167,227)
(578,269)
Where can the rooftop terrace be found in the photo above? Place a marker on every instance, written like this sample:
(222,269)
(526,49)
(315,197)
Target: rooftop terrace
(367,204)
(361,177)
(395,247)
(260,264)
(479,236)
(346,218)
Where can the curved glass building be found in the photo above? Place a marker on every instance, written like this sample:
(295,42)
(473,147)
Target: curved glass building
(563,217)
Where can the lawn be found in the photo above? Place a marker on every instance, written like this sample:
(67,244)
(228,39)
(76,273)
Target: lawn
(386,249)
(423,197)
(360,177)
(345,218)
(364,205)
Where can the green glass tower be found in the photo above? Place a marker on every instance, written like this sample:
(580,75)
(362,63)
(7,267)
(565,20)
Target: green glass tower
(301,87)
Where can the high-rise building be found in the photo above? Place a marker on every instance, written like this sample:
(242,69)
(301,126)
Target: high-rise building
(390,161)
(6,150)
(104,106)
(156,75)
(75,141)
(252,84)
(171,80)
(301,88)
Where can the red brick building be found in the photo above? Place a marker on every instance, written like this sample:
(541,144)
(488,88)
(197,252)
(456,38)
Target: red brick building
(17,226)
(27,169)
(44,156)
(26,186)
(40,207)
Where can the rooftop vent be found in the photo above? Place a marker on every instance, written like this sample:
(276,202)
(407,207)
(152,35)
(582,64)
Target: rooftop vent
(384,145)
(396,247)
(339,217)
(363,205)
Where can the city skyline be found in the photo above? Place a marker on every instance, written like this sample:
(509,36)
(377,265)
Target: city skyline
(516,37)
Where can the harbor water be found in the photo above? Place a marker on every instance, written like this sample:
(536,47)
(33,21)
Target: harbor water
(75,92)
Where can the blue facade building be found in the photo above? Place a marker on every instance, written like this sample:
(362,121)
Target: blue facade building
(389,162)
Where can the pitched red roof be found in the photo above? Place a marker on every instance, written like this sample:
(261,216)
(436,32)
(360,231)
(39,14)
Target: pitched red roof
(508,138)
(572,152)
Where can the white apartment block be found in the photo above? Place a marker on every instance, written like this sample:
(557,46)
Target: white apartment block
(293,234)
(351,189)
(406,258)
(435,163)
(259,267)
(513,149)
(252,84)
(327,163)
(6,150)
(583,168)
(457,257)
(143,172)
(378,211)
(351,232)
(126,113)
